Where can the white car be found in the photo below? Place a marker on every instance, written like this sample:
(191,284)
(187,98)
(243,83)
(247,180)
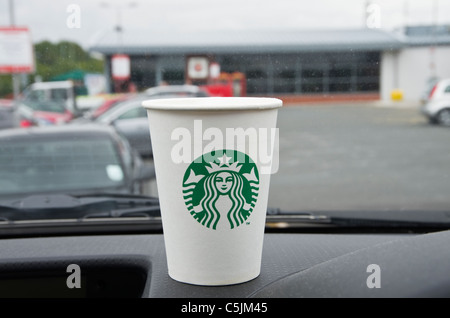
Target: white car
(437,107)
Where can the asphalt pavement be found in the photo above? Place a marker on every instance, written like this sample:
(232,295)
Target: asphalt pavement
(359,157)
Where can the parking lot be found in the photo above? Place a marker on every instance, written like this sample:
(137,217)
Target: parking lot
(359,157)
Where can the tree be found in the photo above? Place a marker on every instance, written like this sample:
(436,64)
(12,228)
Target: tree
(5,85)
(55,59)
(63,57)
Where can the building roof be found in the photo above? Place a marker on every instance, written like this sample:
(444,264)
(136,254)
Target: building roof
(252,41)
(426,35)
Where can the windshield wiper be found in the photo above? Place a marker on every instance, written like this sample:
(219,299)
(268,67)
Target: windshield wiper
(82,207)
(62,206)
(277,218)
(146,211)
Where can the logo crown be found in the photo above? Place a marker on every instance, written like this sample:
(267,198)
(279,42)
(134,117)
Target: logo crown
(223,165)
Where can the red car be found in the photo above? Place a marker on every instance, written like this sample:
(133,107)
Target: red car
(48,103)
(43,115)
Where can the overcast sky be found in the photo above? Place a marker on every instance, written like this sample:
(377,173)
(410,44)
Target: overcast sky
(47,19)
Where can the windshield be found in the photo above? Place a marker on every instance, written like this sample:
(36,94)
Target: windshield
(46,106)
(124,109)
(364,126)
(46,100)
(47,166)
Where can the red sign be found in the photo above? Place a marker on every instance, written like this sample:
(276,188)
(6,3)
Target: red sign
(16,50)
(197,67)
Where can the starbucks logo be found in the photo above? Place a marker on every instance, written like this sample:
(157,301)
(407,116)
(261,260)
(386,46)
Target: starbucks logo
(221,186)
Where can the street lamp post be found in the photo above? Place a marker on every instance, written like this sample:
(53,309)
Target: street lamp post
(434,23)
(119,52)
(119,27)
(15,77)
(11,13)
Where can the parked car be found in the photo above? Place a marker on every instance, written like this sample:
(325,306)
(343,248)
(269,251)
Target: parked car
(6,102)
(58,92)
(49,103)
(45,113)
(74,159)
(126,114)
(130,119)
(179,90)
(437,108)
(109,102)
(9,117)
(429,85)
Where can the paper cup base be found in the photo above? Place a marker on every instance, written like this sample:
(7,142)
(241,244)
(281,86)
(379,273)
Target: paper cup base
(212,282)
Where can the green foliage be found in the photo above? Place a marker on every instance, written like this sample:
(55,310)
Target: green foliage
(5,85)
(63,57)
(56,59)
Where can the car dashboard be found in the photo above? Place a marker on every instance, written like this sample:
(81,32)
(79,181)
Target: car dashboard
(294,265)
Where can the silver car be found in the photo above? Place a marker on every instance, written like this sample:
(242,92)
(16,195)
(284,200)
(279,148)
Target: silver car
(69,159)
(179,90)
(437,107)
(9,117)
(130,120)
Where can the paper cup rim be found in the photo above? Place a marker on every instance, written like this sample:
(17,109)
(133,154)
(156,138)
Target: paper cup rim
(213,103)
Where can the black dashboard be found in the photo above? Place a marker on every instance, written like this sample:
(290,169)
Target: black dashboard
(294,265)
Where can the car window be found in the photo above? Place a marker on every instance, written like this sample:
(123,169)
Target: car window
(46,106)
(362,129)
(118,109)
(59,94)
(58,165)
(137,112)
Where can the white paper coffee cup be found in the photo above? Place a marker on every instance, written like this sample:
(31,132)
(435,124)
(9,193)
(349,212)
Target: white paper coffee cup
(213,159)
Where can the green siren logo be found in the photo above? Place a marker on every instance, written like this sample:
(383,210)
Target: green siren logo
(221,186)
